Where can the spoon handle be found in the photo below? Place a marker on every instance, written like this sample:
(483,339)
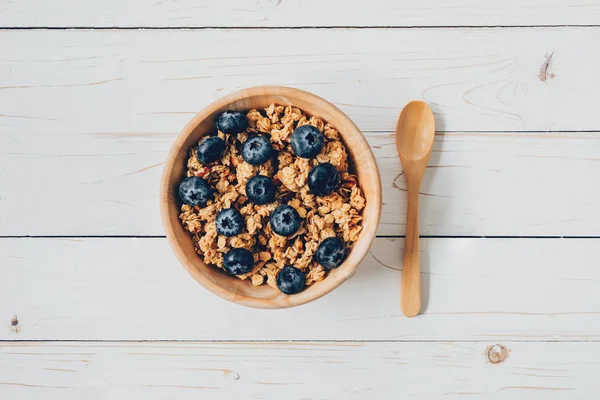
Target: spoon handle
(410,294)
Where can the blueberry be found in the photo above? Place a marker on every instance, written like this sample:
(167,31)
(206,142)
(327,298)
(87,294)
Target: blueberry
(290,280)
(257,150)
(307,141)
(323,178)
(331,252)
(238,261)
(261,190)
(232,122)
(285,220)
(210,149)
(195,191)
(229,222)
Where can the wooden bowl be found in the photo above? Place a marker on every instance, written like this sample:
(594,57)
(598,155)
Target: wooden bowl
(361,160)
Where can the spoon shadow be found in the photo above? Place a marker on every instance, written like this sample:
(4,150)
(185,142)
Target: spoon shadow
(428,181)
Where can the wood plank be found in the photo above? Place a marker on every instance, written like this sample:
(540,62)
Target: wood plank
(139,81)
(473,289)
(88,117)
(302,370)
(477,184)
(270,13)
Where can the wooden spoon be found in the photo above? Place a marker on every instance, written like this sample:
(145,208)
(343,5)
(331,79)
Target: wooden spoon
(414,138)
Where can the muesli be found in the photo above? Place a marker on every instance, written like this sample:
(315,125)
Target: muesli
(269,197)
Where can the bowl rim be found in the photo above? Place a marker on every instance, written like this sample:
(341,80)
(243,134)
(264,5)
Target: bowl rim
(321,288)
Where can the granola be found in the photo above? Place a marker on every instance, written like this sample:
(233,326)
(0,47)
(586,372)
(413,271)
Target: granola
(337,214)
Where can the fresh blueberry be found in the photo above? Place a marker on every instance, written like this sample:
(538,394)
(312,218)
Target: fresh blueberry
(285,220)
(307,141)
(210,149)
(331,252)
(195,191)
(257,150)
(323,178)
(290,280)
(229,222)
(238,261)
(232,122)
(260,190)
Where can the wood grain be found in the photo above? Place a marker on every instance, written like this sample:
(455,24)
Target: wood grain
(268,13)
(473,289)
(360,158)
(301,370)
(107,184)
(140,81)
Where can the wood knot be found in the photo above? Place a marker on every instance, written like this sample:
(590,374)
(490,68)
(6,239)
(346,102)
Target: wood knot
(545,73)
(496,353)
(14,324)
(229,374)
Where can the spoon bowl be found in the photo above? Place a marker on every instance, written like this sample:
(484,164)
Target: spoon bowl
(415,131)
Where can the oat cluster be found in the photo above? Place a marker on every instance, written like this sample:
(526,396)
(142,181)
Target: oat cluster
(337,214)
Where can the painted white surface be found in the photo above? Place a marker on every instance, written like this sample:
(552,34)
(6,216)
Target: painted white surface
(473,289)
(477,184)
(86,119)
(305,370)
(142,81)
(282,13)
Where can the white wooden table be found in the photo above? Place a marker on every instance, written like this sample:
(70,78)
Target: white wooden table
(95,305)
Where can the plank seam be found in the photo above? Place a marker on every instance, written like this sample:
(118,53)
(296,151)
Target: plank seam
(232,341)
(378,236)
(354,27)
